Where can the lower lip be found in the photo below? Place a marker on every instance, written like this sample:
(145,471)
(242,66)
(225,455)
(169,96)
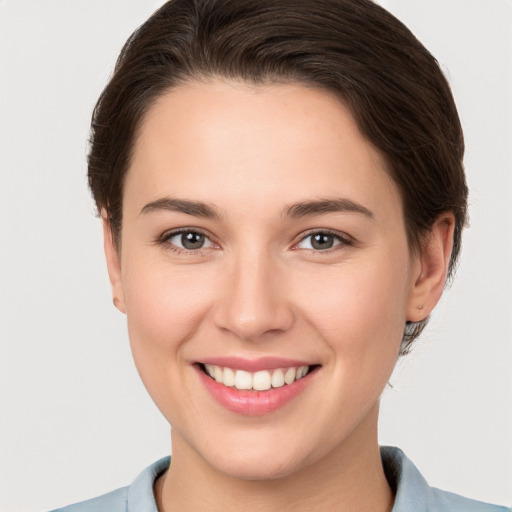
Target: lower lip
(253,403)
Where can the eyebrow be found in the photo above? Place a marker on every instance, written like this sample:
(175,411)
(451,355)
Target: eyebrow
(196,208)
(311,208)
(295,210)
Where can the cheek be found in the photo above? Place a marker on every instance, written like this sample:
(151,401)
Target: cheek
(161,298)
(164,309)
(358,308)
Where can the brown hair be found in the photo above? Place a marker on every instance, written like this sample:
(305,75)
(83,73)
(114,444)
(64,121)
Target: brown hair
(354,48)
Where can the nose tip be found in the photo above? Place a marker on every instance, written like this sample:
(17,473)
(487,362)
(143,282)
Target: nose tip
(254,304)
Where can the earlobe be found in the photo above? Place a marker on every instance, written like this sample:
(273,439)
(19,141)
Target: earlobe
(113,265)
(431,270)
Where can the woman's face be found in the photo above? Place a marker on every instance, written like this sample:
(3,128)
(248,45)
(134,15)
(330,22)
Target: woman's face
(261,233)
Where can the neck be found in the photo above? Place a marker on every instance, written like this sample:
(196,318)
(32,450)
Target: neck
(350,477)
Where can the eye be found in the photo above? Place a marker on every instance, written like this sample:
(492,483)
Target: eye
(321,241)
(189,240)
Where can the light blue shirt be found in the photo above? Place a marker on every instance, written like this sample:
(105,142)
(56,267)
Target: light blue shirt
(413,494)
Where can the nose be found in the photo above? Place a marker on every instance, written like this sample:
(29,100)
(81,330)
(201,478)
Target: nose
(253,302)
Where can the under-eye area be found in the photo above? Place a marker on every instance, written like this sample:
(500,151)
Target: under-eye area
(262,380)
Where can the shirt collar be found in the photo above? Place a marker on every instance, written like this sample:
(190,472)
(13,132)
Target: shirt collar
(140,494)
(410,488)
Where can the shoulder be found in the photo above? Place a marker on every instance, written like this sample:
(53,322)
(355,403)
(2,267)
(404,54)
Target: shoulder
(412,491)
(114,501)
(446,501)
(137,497)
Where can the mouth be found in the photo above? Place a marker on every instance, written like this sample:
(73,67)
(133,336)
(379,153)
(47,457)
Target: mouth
(257,388)
(262,380)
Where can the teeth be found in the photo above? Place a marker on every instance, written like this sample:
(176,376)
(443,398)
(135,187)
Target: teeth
(278,378)
(209,369)
(259,381)
(301,372)
(289,376)
(229,377)
(218,374)
(243,380)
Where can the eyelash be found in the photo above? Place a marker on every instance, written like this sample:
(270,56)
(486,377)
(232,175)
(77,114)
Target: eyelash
(343,239)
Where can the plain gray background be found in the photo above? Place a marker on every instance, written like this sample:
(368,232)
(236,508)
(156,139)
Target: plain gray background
(75,420)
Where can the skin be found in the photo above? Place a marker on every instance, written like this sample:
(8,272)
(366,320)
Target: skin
(259,288)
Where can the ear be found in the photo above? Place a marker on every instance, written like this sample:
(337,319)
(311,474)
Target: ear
(431,268)
(113,265)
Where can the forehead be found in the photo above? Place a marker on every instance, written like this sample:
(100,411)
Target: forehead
(222,140)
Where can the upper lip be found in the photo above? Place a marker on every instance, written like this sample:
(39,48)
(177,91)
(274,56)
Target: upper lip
(254,365)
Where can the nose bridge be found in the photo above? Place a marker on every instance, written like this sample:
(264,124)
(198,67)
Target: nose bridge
(254,300)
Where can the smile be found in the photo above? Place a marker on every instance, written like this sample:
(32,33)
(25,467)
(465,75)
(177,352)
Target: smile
(262,380)
(255,387)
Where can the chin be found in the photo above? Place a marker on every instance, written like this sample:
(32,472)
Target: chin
(257,468)
(262,459)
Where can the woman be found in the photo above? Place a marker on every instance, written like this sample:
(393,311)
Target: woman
(282,201)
